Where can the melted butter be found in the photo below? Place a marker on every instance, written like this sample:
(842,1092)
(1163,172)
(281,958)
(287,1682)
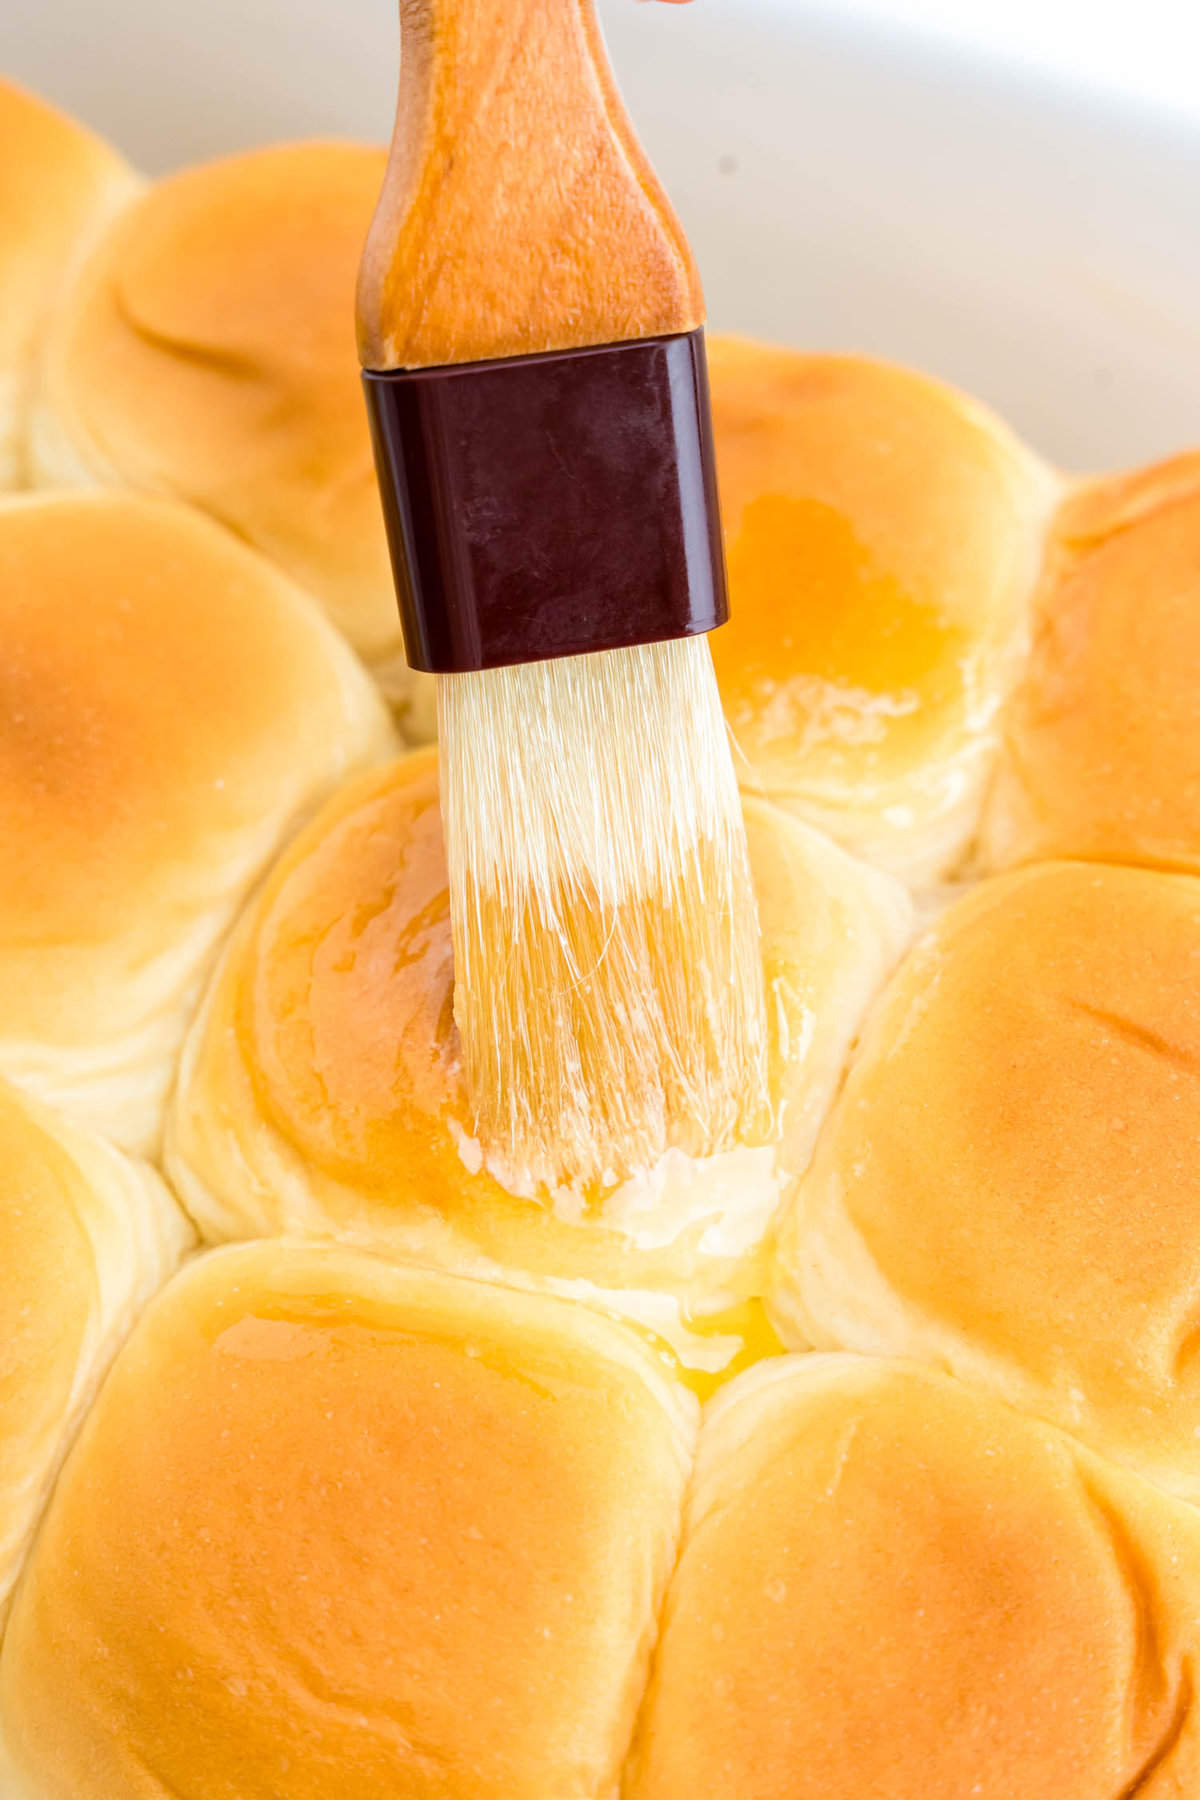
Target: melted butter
(315,1327)
(751,1338)
(825,645)
(347,1015)
(702,1350)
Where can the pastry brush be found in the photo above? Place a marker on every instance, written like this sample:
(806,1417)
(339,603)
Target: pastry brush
(530,325)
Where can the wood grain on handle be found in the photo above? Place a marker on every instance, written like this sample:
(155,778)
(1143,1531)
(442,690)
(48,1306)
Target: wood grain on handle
(519,213)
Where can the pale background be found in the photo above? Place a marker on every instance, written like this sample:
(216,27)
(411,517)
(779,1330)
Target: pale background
(1144,48)
(1005,192)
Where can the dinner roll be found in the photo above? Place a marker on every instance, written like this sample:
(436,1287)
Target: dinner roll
(340,1529)
(169,705)
(322,1090)
(883,539)
(1102,751)
(207,351)
(891,1587)
(86,1237)
(1009,1185)
(58,184)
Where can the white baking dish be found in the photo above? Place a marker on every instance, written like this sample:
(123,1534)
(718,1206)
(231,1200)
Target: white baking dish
(844,185)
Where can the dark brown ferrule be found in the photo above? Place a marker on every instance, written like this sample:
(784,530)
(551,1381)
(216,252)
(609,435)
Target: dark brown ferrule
(544,506)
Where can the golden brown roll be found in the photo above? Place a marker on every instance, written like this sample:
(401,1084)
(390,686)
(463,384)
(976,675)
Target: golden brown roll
(1101,746)
(892,1587)
(169,707)
(339,1529)
(207,351)
(1009,1183)
(322,1091)
(58,185)
(884,535)
(86,1237)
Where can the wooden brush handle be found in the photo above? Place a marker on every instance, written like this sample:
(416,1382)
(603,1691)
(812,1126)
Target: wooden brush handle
(519,213)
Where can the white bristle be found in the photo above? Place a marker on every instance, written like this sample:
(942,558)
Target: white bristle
(608,973)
